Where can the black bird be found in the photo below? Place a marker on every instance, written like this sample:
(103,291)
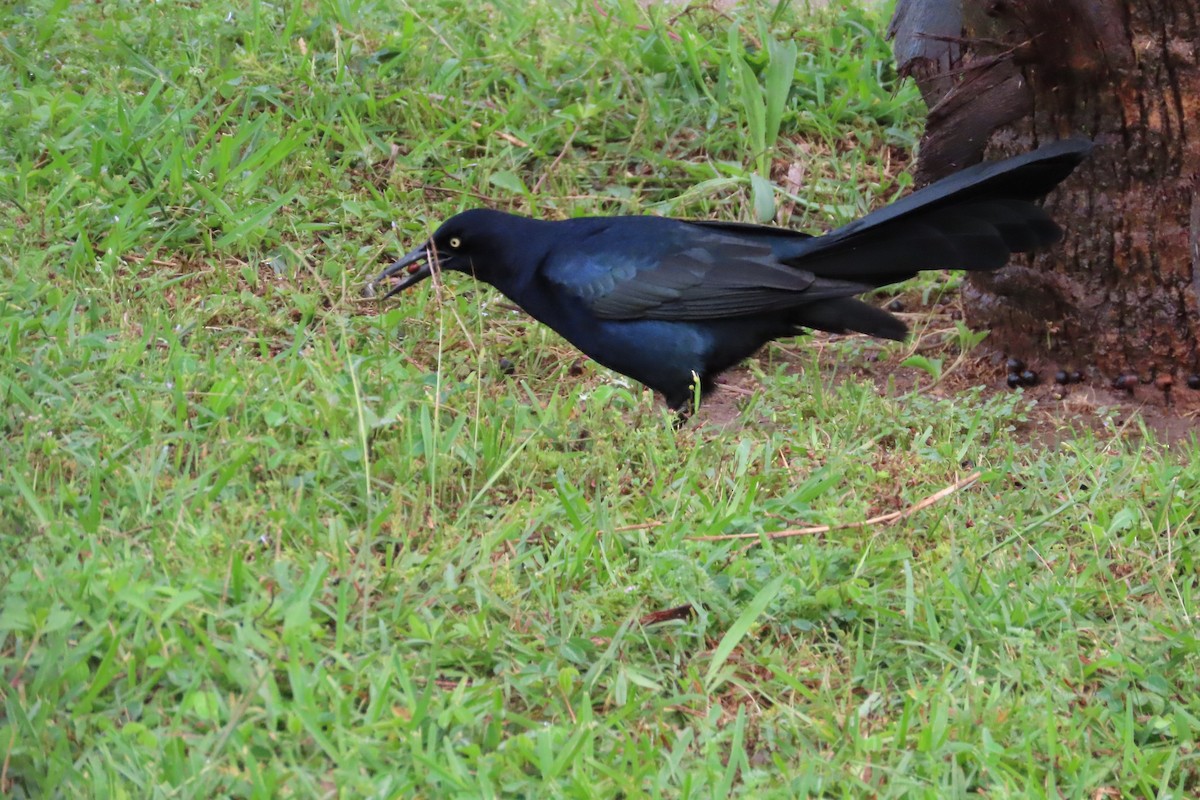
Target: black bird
(670,302)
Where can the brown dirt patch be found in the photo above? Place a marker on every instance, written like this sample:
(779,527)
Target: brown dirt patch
(1060,412)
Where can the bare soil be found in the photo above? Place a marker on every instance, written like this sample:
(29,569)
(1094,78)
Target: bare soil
(1171,415)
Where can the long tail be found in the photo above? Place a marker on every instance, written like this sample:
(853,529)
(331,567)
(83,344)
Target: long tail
(974,220)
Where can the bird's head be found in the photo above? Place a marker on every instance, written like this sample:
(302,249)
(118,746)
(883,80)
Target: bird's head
(475,242)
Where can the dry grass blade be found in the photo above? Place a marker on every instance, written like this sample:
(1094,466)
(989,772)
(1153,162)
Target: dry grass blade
(882,519)
(684,611)
(641,526)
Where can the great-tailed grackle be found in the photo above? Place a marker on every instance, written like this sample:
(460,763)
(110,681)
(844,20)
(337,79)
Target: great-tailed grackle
(669,302)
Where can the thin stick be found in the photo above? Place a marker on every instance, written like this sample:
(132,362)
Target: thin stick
(537,187)
(882,519)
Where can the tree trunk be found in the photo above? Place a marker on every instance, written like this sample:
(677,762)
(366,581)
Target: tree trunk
(1121,294)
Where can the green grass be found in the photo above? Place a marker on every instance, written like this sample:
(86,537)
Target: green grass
(262,538)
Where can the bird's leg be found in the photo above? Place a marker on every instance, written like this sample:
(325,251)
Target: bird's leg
(687,403)
(680,405)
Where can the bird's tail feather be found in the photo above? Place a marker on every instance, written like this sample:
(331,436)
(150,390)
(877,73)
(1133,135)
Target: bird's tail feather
(849,314)
(975,220)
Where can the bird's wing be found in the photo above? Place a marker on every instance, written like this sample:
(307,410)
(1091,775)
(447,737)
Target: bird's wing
(691,273)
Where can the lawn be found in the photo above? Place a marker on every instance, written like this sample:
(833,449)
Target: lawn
(262,537)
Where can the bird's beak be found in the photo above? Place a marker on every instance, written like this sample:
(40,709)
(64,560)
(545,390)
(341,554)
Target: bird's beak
(411,262)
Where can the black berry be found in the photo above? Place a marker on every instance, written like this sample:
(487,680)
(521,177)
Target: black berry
(1126,382)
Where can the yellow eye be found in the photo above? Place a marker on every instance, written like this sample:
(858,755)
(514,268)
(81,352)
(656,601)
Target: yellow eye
(455,242)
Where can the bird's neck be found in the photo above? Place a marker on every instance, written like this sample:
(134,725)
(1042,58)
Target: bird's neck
(515,266)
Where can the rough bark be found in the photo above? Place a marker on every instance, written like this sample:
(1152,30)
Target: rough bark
(1121,295)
